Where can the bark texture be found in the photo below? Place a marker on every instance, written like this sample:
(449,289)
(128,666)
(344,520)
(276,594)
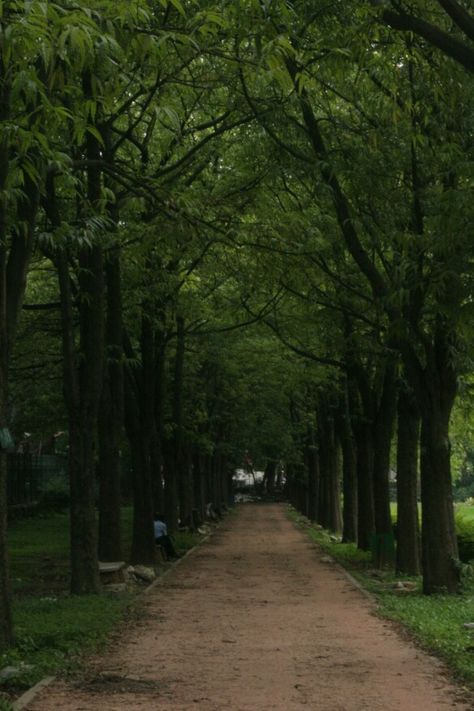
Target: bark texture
(312,465)
(330,515)
(383,424)
(408,529)
(111,422)
(365,489)
(349,473)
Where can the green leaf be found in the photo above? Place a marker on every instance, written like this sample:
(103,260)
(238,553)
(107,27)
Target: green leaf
(96,133)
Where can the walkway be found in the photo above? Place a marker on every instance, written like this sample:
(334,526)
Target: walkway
(254,621)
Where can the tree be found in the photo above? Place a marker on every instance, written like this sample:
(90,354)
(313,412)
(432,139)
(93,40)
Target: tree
(25,71)
(416,312)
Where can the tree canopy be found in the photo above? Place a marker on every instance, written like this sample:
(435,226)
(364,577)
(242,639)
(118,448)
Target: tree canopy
(238,228)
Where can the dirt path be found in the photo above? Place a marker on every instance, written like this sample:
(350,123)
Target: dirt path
(253,621)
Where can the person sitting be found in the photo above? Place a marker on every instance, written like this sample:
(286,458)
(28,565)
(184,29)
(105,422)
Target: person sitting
(211,513)
(162,538)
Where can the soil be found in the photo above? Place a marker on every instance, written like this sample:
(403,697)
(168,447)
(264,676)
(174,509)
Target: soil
(253,620)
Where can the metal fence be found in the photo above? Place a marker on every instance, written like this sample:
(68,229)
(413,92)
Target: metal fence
(31,475)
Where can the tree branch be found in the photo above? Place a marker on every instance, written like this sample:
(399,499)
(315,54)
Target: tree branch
(450,46)
(460,16)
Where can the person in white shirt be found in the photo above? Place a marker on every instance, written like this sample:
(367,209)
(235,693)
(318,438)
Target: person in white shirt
(162,538)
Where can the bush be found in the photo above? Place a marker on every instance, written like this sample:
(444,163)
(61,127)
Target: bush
(55,495)
(465,536)
(462,493)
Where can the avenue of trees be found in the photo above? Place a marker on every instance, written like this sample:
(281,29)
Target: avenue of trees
(230,227)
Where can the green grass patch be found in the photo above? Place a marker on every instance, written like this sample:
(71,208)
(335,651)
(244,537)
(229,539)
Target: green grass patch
(184,541)
(464,510)
(435,621)
(347,553)
(51,632)
(39,551)
(39,554)
(53,628)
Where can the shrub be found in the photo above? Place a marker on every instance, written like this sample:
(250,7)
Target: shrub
(465,536)
(55,493)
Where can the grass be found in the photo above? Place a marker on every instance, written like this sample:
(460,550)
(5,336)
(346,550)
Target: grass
(435,621)
(39,554)
(51,633)
(39,551)
(465,510)
(53,628)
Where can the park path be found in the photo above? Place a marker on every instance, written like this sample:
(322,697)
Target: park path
(253,620)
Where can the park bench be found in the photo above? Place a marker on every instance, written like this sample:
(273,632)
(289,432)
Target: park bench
(112,573)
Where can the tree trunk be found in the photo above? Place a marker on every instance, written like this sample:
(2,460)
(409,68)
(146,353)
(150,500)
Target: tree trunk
(383,432)
(157,466)
(171,485)
(83,405)
(207,477)
(408,529)
(158,434)
(302,491)
(143,541)
(183,471)
(21,250)
(109,466)
(6,625)
(269,476)
(435,385)
(140,423)
(230,486)
(312,463)
(186,503)
(13,273)
(111,422)
(365,489)
(290,485)
(330,493)
(279,476)
(220,480)
(215,473)
(82,383)
(83,551)
(349,475)
(226,483)
(84,563)
(84,574)
(439,543)
(360,404)
(143,544)
(82,393)
(199,486)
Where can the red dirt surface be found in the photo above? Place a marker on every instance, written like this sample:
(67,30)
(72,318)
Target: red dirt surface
(253,621)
